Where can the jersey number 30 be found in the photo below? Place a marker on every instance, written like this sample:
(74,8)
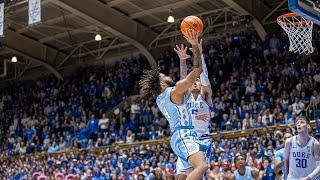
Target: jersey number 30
(301,163)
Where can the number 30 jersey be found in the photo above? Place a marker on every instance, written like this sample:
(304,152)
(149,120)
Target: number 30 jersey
(301,159)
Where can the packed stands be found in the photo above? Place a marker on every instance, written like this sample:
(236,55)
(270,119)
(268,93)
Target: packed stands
(256,84)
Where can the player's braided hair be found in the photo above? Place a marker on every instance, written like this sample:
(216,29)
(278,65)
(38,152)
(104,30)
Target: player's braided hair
(150,82)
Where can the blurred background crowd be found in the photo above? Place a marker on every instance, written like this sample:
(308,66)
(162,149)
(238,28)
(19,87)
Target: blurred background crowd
(255,84)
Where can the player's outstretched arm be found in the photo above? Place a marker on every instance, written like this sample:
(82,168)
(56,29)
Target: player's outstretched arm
(286,158)
(316,172)
(183,85)
(206,90)
(278,162)
(278,166)
(183,56)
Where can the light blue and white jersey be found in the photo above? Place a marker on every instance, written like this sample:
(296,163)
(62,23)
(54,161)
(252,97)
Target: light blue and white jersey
(177,115)
(184,141)
(279,154)
(200,113)
(246,176)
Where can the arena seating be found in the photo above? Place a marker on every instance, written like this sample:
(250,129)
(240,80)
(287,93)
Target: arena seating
(73,127)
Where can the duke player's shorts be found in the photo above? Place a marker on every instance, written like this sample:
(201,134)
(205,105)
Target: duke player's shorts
(204,145)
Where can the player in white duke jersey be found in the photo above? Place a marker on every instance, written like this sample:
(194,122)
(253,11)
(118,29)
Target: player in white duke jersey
(171,100)
(199,104)
(302,154)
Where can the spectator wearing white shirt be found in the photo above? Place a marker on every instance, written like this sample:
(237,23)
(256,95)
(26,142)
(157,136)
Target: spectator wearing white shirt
(25,119)
(297,105)
(317,77)
(22,149)
(130,136)
(62,144)
(160,132)
(274,44)
(135,107)
(247,122)
(12,129)
(299,86)
(315,98)
(106,92)
(284,102)
(104,123)
(251,88)
(267,118)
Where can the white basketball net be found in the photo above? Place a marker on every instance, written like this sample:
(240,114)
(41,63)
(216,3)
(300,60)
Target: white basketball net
(299,31)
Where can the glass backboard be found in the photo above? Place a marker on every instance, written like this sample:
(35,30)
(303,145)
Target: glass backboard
(309,9)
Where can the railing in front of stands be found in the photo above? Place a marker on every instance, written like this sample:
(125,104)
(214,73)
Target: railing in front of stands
(224,135)
(312,111)
(129,99)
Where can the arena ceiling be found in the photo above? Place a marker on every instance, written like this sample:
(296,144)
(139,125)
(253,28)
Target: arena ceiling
(66,34)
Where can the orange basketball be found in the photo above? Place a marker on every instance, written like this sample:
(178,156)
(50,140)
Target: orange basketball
(191,22)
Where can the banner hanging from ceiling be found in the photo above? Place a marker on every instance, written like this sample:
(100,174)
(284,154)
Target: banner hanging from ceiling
(1,18)
(34,12)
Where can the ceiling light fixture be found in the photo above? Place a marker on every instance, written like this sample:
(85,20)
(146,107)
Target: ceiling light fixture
(98,37)
(170,17)
(14,59)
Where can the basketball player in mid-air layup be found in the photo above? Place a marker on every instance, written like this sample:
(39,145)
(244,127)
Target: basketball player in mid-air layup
(171,100)
(199,103)
(302,154)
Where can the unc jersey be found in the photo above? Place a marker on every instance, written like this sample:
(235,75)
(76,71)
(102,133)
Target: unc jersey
(200,113)
(246,176)
(301,159)
(184,141)
(177,115)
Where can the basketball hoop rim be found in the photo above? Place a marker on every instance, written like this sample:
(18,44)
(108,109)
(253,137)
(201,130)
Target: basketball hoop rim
(306,22)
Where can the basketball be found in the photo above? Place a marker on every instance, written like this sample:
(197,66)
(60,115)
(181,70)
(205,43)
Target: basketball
(191,22)
(82,85)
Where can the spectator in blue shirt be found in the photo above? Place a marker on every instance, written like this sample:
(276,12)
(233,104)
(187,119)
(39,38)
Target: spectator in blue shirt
(267,172)
(93,126)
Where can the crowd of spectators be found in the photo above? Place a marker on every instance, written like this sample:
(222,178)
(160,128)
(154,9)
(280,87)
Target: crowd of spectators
(258,84)
(53,115)
(147,161)
(255,84)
